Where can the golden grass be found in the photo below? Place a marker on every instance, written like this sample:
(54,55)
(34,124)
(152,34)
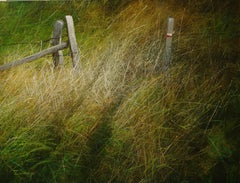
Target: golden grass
(119,119)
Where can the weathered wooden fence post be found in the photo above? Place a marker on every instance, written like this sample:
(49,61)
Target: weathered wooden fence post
(167,60)
(75,53)
(57,39)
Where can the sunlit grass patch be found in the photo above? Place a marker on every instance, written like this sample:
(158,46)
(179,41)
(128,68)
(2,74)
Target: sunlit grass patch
(120,118)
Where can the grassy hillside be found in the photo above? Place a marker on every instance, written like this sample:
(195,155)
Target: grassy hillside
(121,119)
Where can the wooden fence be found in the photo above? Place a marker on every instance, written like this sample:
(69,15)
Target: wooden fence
(57,47)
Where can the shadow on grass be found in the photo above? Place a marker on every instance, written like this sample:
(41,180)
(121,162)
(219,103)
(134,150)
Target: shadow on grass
(96,150)
(99,137)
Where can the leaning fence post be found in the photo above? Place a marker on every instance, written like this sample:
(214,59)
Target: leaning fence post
(57,39)
(75,53)
(167,60)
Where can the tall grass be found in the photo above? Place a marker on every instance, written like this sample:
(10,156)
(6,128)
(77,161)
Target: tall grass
(120,119)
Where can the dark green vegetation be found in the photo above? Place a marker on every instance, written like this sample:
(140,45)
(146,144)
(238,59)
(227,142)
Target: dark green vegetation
(120,119)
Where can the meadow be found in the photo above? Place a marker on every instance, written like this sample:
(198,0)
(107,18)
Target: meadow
(120,118)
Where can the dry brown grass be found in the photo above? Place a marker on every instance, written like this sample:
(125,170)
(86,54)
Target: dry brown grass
(119,119)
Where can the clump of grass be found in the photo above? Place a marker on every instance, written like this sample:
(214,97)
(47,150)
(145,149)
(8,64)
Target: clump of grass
(120,119)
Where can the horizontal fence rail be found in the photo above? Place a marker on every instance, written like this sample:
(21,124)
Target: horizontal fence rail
(34,57)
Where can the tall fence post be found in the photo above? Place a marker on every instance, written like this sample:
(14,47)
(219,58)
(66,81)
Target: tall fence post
(57,39)
(167,60)
(75,53)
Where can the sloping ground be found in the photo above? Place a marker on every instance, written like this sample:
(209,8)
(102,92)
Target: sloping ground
(121,119)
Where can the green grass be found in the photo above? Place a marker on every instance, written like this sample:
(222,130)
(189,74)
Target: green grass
(120,119)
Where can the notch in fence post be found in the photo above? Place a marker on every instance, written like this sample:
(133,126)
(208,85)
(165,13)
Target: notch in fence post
(167,60)
(75,53)
(57,39)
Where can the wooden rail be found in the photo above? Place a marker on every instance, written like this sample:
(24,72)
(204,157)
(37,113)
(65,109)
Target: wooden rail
(34,57)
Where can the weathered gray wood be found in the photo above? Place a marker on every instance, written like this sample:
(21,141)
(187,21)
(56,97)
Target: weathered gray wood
(75,53)
(56,39)
(167,60)
(35,56)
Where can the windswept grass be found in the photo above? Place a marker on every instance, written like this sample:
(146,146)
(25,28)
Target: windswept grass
(121,119)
